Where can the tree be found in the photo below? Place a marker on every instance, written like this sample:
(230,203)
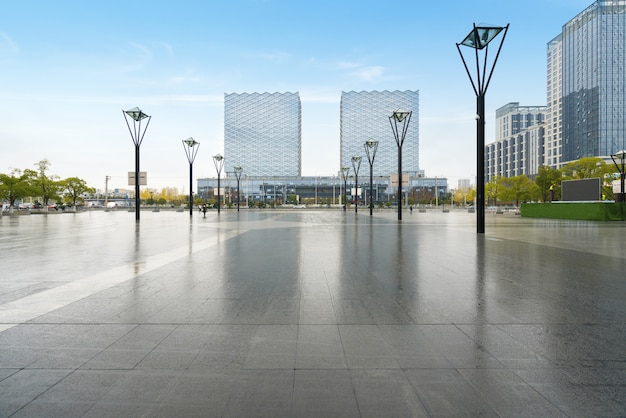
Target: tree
(546,178)
(16,185)
(585,168)
(519,188)
(46,186)
(493,189)
(75,188)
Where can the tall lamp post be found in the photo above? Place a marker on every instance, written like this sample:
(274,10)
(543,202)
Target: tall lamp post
(370,149)
(399,121)
(356,164)
(345,170)
(218,160)
(621,155)
(137,135)
(238,171)
(191,150)
(479,39)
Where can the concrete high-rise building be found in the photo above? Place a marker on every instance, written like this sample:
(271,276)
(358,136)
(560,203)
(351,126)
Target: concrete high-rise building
(263,133)
(365,115)
(518,149)
(593,82)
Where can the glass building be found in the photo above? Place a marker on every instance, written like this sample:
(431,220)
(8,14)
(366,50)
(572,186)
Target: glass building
(365,115)
(263,133)
(594,81)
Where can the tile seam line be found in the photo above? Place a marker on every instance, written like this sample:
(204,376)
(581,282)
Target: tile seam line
(32,306)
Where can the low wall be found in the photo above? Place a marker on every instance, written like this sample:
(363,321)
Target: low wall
(588,211)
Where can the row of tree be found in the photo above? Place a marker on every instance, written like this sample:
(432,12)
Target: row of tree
(547,183)
(20,184)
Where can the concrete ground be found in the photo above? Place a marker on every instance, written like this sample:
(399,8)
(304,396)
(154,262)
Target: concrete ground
(302,313)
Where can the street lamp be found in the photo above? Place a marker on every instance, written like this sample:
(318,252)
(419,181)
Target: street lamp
(621,155)
(191,150)
(136,134)
(402,117)
(218,160)
(238,171)
(370,149)
(356,164)
(345,170)
(478,39)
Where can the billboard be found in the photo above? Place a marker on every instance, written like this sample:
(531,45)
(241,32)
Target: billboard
(584,190)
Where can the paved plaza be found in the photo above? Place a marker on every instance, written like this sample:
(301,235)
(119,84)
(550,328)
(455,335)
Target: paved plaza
(303,313)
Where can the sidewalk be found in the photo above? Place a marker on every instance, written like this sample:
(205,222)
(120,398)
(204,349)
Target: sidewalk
(305,313)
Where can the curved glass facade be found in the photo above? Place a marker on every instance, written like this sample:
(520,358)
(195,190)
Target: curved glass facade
(263,133)
(365,115)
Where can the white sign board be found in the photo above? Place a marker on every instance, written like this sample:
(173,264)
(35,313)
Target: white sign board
(143,178)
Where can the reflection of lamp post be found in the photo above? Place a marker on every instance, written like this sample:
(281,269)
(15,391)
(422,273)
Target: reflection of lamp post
(218,160)
(402,117)
(621,155)
(137,116)
(238,171)
(370,149)
(191,150)
(478,39)
(356,164)
(345,170)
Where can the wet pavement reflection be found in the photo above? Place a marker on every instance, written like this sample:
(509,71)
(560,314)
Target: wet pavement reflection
(305,313)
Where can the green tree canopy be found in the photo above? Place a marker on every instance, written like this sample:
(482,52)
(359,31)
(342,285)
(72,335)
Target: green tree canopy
(519,189)
(585,168)
(16,185)
(74,188)
(546,178)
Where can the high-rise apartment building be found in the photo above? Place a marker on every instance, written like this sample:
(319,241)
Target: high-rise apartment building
(263,133)
(518,148)
(554,114)
(593,81)
(365,115)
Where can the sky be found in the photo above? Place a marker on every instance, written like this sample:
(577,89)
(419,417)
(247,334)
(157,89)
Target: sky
(69,68)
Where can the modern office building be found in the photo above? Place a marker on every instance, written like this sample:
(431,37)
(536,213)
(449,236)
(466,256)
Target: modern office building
(593,81)
(518,149)
(263,133)
(365,115)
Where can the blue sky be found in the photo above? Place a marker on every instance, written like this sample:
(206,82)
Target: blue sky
(68,68)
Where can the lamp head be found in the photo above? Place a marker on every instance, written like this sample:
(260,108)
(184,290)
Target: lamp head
(136,114)
(400,114)
(481,35)
(371,143)
(190,142)
(218,157)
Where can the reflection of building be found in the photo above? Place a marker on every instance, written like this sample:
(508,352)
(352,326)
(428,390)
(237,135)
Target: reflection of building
(593,81)
(365,115)
(262,133)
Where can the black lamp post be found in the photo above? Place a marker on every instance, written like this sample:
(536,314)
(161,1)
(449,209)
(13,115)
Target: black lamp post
(402,118)
(345,170)
(238,171)
(370,149)
(191,150)
(218,160)
(621,155)
(478,39)
(356,164)
(136,134)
